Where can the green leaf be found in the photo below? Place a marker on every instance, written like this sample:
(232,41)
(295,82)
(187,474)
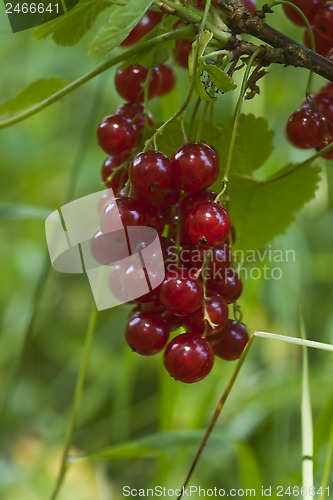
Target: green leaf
(211,76)
(31,95)
(68,29)
(24,212)
(250,473)
(261,210)
(200,86)
(121,22)
(254,144)
(222,81)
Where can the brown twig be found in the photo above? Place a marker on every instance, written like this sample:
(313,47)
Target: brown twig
(281,49)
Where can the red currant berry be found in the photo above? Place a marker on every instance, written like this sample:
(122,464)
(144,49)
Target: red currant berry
(117,135)
(324,105)
(191,200)
(147,333)
(135,112)
(308,7)
(323,21)
(207,224)
(174,322)
(305,128)
(111,178)
(193,258)
(230,287)
(321,43)
(155,220)
(147,23)
(188,358)
(181,52)
(167,79)
(180,293)
(129,83)
(217,311)
(164,197)
(131,213)
(251,5)
(231,341)
(150,171)
(109,247)
(195,166)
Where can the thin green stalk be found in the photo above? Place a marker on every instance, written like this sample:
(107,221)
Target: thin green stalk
(309,30)
(236,122)
(295,340)
(216,414)
(89,76)
(204,112)
(220,33)
(307,426)
(76,402)
(183,108)
(328,466)
(231,381)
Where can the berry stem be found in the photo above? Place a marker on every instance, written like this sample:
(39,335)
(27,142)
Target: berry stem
(216,414)
(235,123)
(170,35)
(76,402)
(183,108)
(231,381)
(204,112)
(193,116)
(308,28)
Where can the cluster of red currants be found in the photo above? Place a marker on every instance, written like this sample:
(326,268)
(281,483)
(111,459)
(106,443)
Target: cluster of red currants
(171,195)
(311,126)
(319,13)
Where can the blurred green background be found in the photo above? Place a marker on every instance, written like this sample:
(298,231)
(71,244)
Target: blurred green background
(53,157)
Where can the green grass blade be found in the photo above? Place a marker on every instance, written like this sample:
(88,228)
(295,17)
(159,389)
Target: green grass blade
(307,425)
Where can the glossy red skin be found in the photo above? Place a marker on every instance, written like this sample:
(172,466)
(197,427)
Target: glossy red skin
(146,24)
(131,213)
(324,104)
(150,171)
(230,342)
(305,128)
(207,224)
(106,248)
(191,200)
(164,197)
(230,287)
(147,333)
(117,135)
(251,5)
(193,258)
(181,52)
(195,166)
(116,180)
(217,310)
(323,21)
(167,79)
(188,358)
(308,7)
(129,83)
(180,294)
(135,112)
